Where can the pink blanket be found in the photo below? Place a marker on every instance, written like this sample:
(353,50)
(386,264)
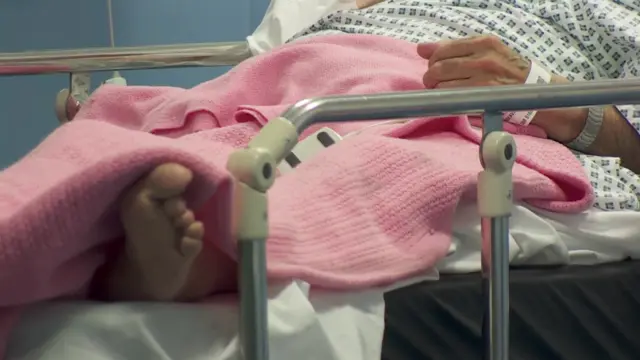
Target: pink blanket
(369,211)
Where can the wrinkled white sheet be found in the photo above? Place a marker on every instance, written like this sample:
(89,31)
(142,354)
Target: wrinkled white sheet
(320,325)
(544,238)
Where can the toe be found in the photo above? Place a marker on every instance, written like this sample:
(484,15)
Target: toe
(190,247)
(168,180)
(175,207)
(195,230)
(183,221)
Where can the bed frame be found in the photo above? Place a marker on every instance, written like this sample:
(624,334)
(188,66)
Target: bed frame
(254,166)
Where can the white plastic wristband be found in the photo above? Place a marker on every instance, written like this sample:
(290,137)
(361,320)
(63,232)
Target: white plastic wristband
(537,75)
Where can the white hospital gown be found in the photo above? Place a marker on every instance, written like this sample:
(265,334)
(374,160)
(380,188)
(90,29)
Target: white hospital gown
(580,40)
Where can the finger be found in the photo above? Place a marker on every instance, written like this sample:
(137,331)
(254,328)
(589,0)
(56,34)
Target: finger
(425,50)
(447,70)
(465,47)
(464,83)
(450,50)
(459,83)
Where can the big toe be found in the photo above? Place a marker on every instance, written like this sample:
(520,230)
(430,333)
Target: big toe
(168,180)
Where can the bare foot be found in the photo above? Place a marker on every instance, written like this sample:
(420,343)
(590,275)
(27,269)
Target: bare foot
(162,238)
(164,257)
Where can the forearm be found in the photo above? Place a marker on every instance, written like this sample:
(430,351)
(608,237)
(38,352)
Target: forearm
(616,138)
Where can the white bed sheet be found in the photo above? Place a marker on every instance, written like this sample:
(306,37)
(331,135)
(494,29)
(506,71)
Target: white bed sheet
(544,238)
(323,326)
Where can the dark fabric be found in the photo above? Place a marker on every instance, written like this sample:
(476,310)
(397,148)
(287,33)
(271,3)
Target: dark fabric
(576,313)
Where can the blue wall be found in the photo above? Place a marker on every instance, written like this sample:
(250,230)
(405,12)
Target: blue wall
(26,102)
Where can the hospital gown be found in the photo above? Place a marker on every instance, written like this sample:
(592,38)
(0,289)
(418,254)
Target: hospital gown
(579,39)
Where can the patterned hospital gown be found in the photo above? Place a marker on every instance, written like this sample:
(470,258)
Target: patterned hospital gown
(578,39)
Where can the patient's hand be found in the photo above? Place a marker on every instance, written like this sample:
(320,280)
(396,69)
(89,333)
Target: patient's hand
(477,61)
(487,61)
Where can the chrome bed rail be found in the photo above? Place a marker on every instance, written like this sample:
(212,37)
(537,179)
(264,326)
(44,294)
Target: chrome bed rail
(123,58)
(254,167)
(79,63)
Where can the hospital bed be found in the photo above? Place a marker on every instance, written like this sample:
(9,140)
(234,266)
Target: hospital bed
(430,320)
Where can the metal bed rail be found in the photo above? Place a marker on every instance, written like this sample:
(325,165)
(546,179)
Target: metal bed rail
(253,170)
(123,58)
(79,63)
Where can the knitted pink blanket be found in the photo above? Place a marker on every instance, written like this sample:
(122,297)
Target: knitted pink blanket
(368,211)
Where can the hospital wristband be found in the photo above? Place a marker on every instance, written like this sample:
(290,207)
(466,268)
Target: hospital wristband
(537,75)
(590,131)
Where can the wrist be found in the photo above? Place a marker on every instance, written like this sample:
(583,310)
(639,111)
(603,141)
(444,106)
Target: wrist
(562,125)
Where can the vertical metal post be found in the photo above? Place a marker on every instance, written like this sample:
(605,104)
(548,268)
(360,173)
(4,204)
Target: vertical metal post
(80,86)
(495,279)
(494,201)
(254,171)
(68,101)
(254,330)
(252,229)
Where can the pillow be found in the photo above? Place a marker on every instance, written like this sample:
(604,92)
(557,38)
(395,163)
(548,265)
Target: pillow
(285,18)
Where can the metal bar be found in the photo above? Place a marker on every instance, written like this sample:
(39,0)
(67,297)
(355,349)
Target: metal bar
(495,253)
(495,279)
(463,101)
(123,58)
(490,100)
(254,328)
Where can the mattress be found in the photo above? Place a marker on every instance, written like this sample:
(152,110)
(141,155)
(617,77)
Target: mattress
(572,312)
(322,326)
(309,324)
